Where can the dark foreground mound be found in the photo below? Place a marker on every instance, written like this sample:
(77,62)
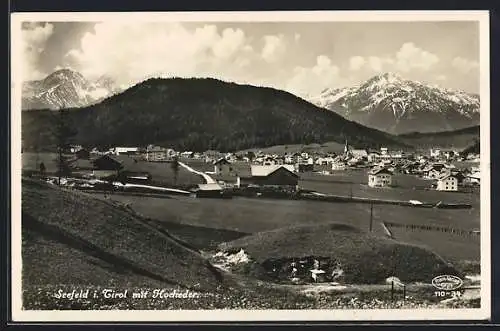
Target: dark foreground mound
(343,252)
(70,238)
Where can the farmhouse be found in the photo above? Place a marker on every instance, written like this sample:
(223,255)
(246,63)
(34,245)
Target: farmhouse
(222,167)
(208,191)
(108,162)
(278,176)
(447,182)
(379,177)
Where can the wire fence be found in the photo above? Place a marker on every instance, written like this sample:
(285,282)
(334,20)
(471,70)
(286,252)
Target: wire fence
(433,228)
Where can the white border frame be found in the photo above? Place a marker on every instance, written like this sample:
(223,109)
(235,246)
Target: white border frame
(483,313)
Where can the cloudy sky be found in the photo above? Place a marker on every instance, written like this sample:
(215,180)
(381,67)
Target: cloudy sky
(303,58)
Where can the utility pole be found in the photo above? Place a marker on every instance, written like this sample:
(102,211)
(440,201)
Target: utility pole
(371,217)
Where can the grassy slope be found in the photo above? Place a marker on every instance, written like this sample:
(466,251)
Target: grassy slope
(365,258)
(114,240)
(254,215)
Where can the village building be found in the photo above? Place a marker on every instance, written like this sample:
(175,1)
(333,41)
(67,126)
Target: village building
(447,182)
(108,162)
(373,156)
(82,153)
(124,150)
(275,176)
(433,171)
(134,177)
(304,167)
(96,151)
(187,154)
(380,177)
(324,160)
(212,190)
(339,165)
(435,152)
(359,153)
(222,167)
(74,148)
(473,178)
(269,160)
(289,159)
(155,153)
(396,155)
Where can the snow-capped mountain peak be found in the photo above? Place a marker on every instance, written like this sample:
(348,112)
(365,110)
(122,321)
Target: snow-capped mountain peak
(390,102)
(64,88)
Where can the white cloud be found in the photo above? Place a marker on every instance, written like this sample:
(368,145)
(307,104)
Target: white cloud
(34,37)
(274,48)
(356,63)
(440,78)
(131,52)
(464,65)
(410,56)
(313,80)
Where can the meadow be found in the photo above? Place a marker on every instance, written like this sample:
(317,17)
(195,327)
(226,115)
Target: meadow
(249,215)
(405,187)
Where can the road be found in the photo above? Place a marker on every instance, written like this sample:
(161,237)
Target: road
(207,178)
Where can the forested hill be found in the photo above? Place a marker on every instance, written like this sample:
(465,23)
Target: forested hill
(201,114)
(446,139)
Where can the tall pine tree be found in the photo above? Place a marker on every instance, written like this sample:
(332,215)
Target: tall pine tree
(65,136)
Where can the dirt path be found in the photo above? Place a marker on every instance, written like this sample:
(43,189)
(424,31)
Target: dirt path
(207,178)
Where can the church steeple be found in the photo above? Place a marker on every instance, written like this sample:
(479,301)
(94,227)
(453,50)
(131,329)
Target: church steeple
(346,148)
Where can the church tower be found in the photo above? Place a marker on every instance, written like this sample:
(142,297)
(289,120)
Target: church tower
(347,149)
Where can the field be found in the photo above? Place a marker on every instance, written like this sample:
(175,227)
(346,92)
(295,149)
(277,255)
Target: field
(406,187)
(161,172)
(254,215)
(245,215)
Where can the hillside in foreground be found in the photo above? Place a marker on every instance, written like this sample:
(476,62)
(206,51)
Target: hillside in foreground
(78,239)
(355,256)
(199,115)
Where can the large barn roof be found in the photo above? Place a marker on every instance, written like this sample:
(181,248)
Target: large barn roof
(266,170)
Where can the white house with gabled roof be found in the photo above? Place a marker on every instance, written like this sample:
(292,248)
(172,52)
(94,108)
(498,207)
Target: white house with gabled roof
(447,182)
(380,177)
